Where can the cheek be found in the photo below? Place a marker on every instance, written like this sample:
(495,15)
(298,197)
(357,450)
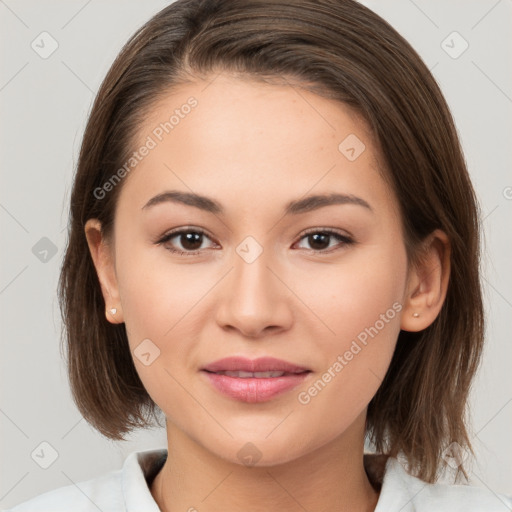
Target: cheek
(162,305)
(360,307)
(351,295)
(156,292)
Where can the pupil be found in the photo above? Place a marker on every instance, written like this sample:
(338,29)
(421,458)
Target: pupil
(321,239)
(191,239)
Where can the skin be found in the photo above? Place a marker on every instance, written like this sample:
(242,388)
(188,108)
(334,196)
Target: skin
(254,147)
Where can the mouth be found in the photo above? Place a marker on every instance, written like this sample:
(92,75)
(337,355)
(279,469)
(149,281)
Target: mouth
(253,381)
(257,375)
(254,366)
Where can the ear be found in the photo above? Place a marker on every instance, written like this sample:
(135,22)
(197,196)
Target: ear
(427,283)
(104,262)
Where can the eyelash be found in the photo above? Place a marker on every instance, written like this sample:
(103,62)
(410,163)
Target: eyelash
(342,238)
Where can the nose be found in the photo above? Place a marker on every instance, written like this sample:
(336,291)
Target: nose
(255,299)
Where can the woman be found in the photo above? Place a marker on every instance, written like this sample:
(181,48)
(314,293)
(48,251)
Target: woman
(274,243)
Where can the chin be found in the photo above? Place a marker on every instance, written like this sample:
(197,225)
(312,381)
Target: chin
(256,451)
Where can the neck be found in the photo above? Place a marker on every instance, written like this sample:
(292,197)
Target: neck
(332,477)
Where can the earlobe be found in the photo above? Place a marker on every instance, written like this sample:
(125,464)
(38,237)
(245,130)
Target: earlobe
(427,283)
(103,259)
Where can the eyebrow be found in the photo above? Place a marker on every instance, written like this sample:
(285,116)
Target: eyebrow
(304,205)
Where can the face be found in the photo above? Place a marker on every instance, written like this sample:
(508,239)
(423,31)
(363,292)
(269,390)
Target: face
(258,270)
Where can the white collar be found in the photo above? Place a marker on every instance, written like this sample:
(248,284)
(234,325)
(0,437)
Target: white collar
(400,491)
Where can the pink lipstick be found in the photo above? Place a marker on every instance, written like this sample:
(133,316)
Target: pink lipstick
(256,380)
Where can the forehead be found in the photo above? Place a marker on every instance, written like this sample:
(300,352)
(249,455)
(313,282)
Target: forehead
(244,139)
(252,112)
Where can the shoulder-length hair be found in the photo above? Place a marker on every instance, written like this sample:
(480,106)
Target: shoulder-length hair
(343,51)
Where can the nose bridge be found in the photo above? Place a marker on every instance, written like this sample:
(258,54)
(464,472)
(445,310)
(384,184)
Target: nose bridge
(252,279)
(254,298)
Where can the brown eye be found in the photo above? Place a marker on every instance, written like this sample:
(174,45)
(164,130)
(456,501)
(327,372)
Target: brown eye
(191,241)
(184,241)
(320,241)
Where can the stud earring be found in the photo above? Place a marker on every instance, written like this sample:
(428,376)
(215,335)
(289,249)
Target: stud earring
(113,311)
(415,315)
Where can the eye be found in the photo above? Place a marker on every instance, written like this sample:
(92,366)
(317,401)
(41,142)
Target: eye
(190,239)
(320,240)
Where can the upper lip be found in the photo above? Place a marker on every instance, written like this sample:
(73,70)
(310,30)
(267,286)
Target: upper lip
(261,364)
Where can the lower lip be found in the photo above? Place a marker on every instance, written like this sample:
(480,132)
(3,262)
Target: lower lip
(253,390)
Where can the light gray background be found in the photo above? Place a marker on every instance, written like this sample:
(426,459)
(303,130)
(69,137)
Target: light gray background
(44,105)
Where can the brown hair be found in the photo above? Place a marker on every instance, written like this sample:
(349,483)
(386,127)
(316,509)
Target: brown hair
(344,51)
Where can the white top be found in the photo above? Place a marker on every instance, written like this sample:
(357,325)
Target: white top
(127,490)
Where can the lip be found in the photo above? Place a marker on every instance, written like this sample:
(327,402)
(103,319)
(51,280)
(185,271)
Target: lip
(261,364)
(253,389)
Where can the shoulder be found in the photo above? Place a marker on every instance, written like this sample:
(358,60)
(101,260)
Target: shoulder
(116,491)
(103,493)
(402,491)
